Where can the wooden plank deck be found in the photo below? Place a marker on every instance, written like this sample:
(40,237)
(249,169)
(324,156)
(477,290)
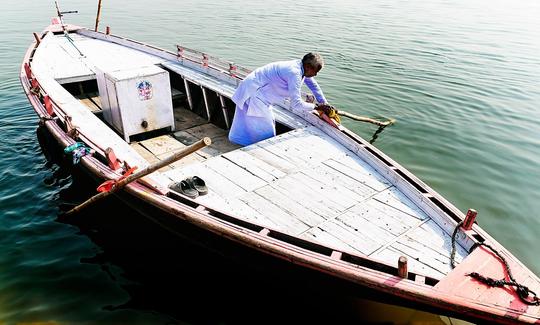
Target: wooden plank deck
(305,184)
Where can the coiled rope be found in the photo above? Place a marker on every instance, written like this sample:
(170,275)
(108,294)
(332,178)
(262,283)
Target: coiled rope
(525,294)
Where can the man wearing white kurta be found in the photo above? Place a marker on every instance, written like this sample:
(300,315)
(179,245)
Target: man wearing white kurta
(271,84)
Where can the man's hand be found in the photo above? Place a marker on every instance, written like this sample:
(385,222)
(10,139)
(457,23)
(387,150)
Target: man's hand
(325,108)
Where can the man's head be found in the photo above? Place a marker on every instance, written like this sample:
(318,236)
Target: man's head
(313,63)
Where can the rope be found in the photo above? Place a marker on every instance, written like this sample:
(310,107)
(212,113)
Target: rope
(331,113)
(523,292)
(453,253)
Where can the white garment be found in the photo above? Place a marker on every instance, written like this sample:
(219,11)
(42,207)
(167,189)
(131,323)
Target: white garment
(271,84)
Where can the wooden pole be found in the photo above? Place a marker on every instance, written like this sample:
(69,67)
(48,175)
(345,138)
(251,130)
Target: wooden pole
(365,119)
(97,15)
(148,170)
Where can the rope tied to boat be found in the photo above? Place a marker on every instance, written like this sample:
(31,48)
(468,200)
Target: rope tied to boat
(525,294)
(329,114)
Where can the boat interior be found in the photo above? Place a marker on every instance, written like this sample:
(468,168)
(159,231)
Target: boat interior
(302,183)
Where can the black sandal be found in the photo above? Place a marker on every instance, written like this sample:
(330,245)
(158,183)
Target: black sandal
(184,187)
(198,184)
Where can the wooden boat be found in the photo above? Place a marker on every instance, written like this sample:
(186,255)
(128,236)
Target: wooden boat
(316,197)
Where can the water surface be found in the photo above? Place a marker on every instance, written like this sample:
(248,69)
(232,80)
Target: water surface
(462,79)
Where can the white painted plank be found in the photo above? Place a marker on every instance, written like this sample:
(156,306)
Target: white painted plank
(358,169)
(326,174)
(270,158)
(333,194)
(288,204)
(304,147)
(364,228)
(214,181)
(271,210)
(258,167)
(394,198)
(236,174)
(383,216)
(435,238)
(236,208)
(341,237)
(428,245)
(308,199)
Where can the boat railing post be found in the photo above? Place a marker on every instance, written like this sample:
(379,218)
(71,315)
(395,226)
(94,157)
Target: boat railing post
(180,52)
(108,30)
(204,60)
(469,219)
(232,69)
(224,110)
(205,97)
(402,267)
(28,71)
(114,163)
(48,105)
(188,93)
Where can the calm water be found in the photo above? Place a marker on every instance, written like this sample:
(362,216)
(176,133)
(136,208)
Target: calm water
(462,78)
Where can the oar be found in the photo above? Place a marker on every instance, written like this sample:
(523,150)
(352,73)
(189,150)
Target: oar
(150,169)
(365,119)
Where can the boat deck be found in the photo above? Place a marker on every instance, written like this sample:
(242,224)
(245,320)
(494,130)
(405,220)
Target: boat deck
(326,193)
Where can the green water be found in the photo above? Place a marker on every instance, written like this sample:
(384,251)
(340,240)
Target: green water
(462,79)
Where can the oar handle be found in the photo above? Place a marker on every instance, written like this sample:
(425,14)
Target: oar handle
(148,170)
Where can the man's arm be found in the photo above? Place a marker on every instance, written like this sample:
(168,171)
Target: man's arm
(294,84)
(312,84)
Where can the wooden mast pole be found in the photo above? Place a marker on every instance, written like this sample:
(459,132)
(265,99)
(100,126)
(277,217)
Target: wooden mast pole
(97,15)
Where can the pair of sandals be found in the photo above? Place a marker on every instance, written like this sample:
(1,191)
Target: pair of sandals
(191,187)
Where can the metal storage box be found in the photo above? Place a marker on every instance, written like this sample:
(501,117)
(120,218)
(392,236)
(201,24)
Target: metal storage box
(137,100)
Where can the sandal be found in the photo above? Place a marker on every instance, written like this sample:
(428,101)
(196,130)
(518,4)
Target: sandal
(184,187)
(198,184)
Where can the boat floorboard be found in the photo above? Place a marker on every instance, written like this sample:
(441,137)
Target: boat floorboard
(305,184)
(189,129)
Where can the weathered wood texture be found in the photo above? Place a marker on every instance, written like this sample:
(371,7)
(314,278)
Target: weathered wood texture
(306,184)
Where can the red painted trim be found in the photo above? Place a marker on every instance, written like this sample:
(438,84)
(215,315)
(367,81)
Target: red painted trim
(48,105)
(114,163)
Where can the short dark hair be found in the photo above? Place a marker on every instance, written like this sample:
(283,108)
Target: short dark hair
(314,60)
